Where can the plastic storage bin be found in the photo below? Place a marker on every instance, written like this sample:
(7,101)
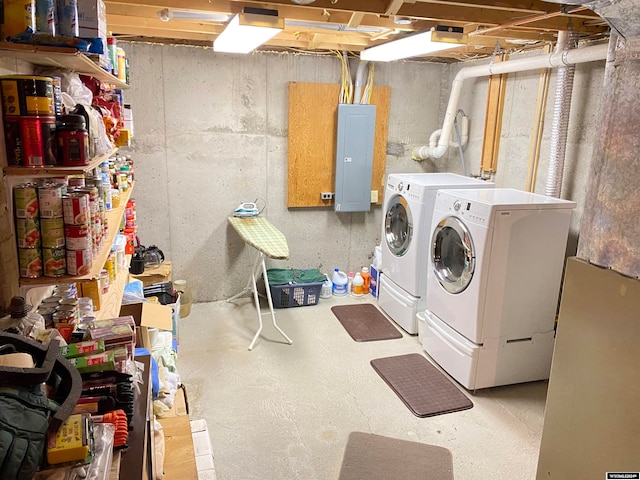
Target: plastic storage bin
(294,294)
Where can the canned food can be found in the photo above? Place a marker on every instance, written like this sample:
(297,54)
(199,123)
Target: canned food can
(47,314)
(68,18)
(78,237)
(25,200)
(52,232)
(18,16)
(75,207)
(79,261)
(46,17)
(28,232)
(30,260)
(76,181)
(30,141)
(55,261)
(50,200)
(27,95)
(64,317)
(72,309)
(52,299)
(64,291)
(57,91)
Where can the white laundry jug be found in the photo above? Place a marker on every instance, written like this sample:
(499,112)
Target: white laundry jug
(339,280)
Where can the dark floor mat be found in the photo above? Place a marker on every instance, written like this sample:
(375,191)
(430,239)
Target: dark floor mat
(365,323)
(422,388)
(374,457)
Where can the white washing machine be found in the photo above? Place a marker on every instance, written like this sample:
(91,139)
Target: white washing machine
(408,208)
(495,268)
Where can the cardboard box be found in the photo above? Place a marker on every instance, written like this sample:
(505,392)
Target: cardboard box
(148,315)
(155,275)
(374,280)
(92,19)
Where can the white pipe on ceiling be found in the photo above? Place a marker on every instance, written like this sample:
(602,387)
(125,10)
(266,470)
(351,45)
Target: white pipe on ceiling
(552,60)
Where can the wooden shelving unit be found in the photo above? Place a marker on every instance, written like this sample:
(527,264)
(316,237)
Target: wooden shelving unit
(59,57)
(111,300)
(113,220)
(58,171)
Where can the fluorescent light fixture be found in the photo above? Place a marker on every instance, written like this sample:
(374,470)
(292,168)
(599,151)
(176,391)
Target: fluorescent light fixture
(414,45)
(247,31)
(167,14)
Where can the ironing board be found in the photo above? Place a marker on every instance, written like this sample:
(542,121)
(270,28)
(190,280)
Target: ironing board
(260,234)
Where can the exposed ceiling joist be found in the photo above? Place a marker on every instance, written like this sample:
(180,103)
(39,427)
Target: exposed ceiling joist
(356,24)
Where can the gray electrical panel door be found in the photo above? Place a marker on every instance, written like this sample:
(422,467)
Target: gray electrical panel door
(354,157)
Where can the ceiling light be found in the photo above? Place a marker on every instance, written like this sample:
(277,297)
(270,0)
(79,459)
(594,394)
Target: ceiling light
(247,31)
(441,38)
(167,14)
(303,2)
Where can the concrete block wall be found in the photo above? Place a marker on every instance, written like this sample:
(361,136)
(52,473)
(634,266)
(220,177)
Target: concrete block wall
(211,132)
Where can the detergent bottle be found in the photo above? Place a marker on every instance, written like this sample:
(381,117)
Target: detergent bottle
(366,277)
(339,280)
(358,283)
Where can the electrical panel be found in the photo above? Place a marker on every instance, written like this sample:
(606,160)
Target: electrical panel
(354,157)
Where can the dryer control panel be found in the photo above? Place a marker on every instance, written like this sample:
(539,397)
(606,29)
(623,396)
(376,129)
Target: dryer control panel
(472,212)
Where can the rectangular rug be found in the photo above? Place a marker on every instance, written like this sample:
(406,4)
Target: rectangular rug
(374,457)
(365,323)
(420,385)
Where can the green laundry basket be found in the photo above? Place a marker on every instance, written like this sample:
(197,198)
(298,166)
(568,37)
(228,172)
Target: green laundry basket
(294,288)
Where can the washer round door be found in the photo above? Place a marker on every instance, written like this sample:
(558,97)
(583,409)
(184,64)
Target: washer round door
(398,226)
(452,254)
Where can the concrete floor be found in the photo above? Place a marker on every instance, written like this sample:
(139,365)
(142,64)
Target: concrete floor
(284,412)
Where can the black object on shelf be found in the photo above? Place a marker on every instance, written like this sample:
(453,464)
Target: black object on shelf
(163,290)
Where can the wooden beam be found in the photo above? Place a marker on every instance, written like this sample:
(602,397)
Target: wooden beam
(356,19)
(149,8)
(493,120)
(393,7)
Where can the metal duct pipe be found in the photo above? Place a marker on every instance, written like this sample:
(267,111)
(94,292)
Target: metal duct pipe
(560,125)
(570,57)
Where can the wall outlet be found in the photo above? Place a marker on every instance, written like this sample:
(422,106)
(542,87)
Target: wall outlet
(374,196)
(326,195)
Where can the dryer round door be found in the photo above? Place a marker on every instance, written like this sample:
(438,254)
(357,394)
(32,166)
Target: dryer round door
(398,226)
(452,254)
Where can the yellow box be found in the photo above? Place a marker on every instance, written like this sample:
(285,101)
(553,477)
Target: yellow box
(93,290)
(124,139)
(71,442)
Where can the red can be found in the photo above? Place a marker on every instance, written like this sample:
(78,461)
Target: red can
(79,261)
(78,236)
(73,141)
(75,207)
(30,141)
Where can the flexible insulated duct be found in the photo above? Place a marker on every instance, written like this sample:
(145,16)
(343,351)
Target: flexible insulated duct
(560,125)
(553,60)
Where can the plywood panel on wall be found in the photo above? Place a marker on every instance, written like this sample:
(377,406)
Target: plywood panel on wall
(312,141)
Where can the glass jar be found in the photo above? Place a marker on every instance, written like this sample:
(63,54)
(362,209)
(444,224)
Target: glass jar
(182,287)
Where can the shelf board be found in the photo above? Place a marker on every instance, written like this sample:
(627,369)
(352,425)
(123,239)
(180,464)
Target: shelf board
(113,220)
(59,171)
(113,298)
(60,57)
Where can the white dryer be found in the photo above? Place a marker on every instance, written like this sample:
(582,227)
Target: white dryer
(495,268)
(408,208)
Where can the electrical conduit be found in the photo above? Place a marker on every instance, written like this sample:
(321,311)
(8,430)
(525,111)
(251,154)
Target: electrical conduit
(362,68)
(553,60)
